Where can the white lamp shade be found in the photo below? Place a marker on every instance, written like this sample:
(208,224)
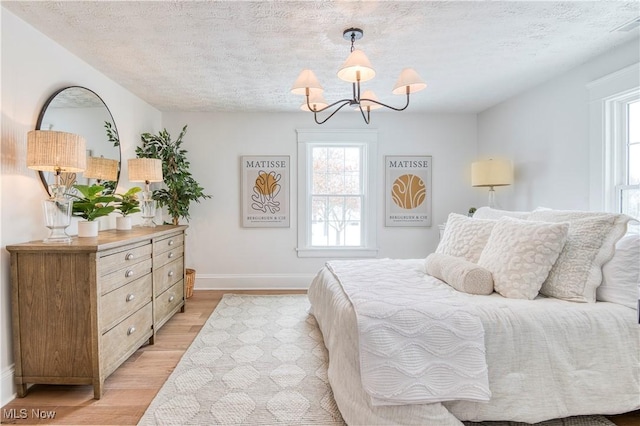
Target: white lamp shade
(145,170)
(368,94)
(306,80)
(492,173)
(53,151)
(408,77)
(315,100)
(356,64)
(101,168)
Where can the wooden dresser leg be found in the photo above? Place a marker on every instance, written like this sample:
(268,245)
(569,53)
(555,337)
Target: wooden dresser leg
(97,389)
(21,390)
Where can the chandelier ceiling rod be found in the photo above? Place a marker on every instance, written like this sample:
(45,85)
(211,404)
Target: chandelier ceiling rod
(356,69)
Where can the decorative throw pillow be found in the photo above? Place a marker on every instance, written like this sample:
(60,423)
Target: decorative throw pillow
(465,237)
(621,275)
(459,273)
(520,254)
(495,214)
(590,244)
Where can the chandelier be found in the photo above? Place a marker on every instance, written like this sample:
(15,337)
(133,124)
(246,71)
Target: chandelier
(356,69)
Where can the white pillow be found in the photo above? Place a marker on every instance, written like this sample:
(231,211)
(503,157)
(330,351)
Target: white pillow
(621,275)
(520,254)
(590,244)
(460,274)
(465,237)
(495,214)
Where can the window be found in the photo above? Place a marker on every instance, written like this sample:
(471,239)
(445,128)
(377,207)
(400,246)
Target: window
(336,206)
(628,187)
(615,142)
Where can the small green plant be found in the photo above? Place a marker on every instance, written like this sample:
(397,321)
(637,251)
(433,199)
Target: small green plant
(180,186)
(128,203)
(92,203)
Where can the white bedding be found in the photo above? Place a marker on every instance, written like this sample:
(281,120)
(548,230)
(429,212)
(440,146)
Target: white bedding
(417,341)
(547,358)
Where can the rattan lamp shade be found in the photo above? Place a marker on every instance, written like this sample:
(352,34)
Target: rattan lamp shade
(492,173)
(101,168)
(52,151)
(145,170)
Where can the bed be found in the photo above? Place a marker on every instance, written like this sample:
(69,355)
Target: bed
(546,357)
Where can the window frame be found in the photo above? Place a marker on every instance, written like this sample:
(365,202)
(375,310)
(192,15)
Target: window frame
(367,140)
(620,122)
(608,97)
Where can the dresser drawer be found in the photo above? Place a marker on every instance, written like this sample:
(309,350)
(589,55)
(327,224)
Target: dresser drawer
(167,243)
(167,275)
(167,256)
(167,302)
(118,258)
(120,303)
(122,340)
(124,276)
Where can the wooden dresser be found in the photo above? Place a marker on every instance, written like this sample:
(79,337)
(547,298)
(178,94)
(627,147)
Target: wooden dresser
(81,309)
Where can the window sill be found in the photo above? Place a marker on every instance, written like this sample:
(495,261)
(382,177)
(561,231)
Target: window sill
(334,252)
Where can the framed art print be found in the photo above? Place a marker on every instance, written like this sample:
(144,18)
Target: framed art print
(265,191)
(408,192)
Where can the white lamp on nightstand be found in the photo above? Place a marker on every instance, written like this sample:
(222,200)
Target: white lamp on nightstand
(492,173)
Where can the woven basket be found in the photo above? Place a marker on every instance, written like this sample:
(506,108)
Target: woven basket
(191,280)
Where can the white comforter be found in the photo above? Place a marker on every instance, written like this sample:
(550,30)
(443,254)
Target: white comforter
(547,359)
(418,343)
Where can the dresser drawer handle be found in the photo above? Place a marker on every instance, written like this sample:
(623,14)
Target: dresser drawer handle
(129,256)
(129,273)
(170,255)
(170,273)
(131,330)
(171,298)
(170,242)
(130,297)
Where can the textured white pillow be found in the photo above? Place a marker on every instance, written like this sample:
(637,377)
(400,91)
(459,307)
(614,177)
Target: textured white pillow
(495,214)
(520,254)
(590,244)
(465,237)
(459,273)
(621,275)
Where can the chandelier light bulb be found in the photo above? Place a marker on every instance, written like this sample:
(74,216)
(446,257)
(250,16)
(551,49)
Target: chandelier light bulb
(408,78)
(306,80)
(356,68)
(316,101)
(368,94)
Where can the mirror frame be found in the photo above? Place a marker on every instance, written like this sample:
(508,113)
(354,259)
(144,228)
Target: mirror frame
(41,118)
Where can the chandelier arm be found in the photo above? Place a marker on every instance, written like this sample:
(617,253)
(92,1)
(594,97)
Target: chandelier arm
(328,106)
(367,118)
(387,106)
(315,116)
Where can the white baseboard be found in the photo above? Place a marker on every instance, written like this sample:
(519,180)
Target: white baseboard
(252,281)
(7,388)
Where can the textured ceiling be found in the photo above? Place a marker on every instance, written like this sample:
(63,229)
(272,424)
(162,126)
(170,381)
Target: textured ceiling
(244,56)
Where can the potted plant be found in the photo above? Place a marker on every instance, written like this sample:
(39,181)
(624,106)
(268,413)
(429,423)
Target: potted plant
(91,204)
(127,204)
(180,187)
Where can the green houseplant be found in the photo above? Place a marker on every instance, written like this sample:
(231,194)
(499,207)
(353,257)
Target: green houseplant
(91,204)
(180,187)
(127,204)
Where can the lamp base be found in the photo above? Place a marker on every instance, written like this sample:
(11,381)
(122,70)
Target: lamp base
(492,198)
(148,208)
(57,213)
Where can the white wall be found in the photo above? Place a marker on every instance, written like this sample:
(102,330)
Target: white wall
(545,130)
(226,255)
(33,67)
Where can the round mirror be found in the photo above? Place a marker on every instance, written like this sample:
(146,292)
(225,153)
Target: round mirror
(79,110)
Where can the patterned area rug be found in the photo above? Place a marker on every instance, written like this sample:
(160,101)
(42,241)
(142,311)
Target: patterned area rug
(260,360)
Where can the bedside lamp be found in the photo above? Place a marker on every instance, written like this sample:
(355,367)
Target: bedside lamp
(146,170)
(100,168)
(492,173)
(57,152)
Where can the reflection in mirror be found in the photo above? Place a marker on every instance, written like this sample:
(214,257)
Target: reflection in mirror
(79,110)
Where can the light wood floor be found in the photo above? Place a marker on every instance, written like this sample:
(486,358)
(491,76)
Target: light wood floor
(131,388)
